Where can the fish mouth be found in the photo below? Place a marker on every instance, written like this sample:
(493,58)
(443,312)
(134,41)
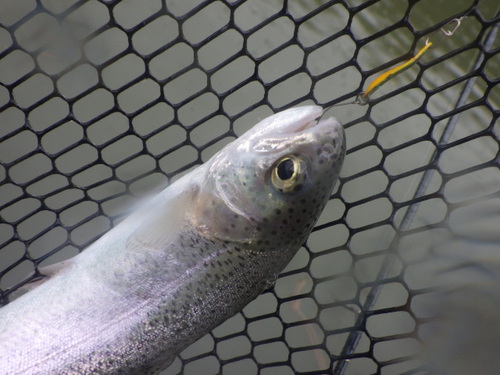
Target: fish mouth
(320,124)
(308,125)
(306,120)
(316,121)
(282,131)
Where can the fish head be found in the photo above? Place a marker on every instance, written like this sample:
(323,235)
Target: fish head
(267,189)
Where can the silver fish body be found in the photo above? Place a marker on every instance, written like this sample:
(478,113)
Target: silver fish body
(193,256)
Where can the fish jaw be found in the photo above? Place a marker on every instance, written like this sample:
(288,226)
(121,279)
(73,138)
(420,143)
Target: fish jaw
(286,122)
(238,202)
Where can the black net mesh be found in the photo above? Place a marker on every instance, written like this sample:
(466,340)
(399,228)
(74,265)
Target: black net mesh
(103,102)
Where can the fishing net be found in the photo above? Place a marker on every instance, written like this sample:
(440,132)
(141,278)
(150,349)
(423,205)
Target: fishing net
(105,102)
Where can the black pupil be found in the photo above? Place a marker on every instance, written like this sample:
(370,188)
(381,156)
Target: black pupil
(285,169)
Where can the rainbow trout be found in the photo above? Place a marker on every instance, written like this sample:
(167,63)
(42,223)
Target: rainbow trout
(193,256)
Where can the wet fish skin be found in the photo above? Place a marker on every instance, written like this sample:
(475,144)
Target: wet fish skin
(194,256)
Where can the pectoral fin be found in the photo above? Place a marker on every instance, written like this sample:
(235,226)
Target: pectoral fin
(45,274)
(163,224)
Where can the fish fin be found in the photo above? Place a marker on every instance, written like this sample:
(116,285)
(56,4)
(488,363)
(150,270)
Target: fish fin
(44,274)
(51,270)
(163,224)
(30,285)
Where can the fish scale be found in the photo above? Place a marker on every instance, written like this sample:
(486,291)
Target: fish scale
(190,258)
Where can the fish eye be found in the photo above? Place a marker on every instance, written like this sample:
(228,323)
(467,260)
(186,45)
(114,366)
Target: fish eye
(285,169)
(288,174)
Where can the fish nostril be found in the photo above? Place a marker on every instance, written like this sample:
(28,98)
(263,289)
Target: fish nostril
(325,152)
(328,148)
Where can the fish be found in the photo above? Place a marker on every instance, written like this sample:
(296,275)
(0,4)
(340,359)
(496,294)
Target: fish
(189,258)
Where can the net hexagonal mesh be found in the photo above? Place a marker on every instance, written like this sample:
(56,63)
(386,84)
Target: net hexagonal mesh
(104,102)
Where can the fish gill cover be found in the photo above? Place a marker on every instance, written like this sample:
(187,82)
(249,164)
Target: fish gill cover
(102,103)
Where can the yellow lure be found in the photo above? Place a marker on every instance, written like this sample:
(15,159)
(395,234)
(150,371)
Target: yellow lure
(383,78)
